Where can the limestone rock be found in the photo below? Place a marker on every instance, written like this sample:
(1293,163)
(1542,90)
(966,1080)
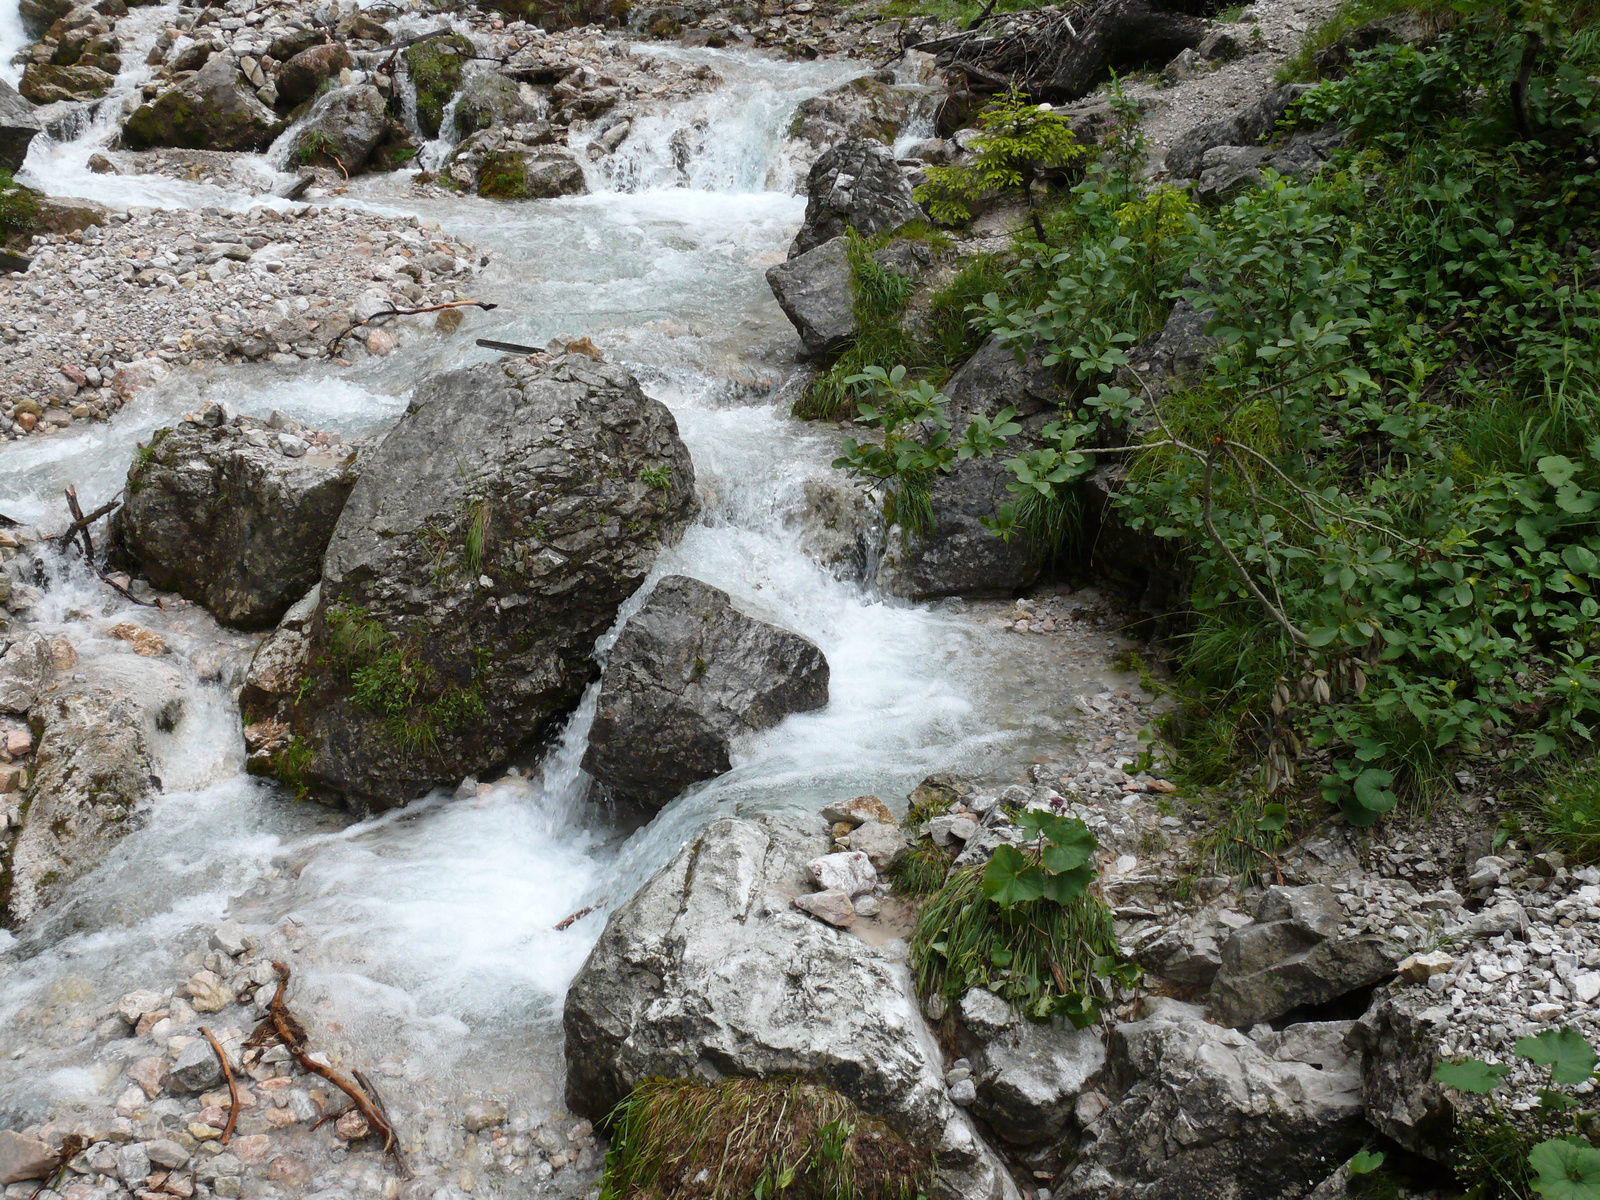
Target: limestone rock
(832,906)
(18,127)
(817,293)
(215,110)
(1292,955)
(303,75)
(1242,128)
(856,185)
(229,522)
(491,538)
(488,101)
(690,672)
(884,844)
(709,969)
(196,1068)
(46,84)
(867,107)
(25,672)
(24,1158)
(344,127)
(1397,1040)
(850,872)
(1027,1076)
(1199,1112)
(530,174)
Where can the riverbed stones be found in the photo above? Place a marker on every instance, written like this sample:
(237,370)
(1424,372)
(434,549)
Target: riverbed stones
(856,185)
(1293,955)
(216,110)
(25,672)
(491,538)
(221,515)
(708,970)
(690,672)
(24,1158)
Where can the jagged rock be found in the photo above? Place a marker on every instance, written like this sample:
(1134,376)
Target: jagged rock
(1188,952)
(841,526)
(39,15)
(1243,128)
(25,672)
(960,557)
(196,1068)
(215,110)
(303,75)
(91,771)
(489,101)
(709,969)
(868,107)
(1292,955)
(1027,1076)
(523,173)
(24,1158)
(491,539)
(1225,170)
(690,672)
(883,843)
(273,680)
(221,516)
(856,185)
(45,84)
(1397,1039)
(817,292)
(18,127)
(344,127)
(1199,1112)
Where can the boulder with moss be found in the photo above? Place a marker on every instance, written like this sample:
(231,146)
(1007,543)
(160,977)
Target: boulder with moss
(215,110)
(302,76)
(856,185)
(493,535)
(344,128)
(46,84)
(18,127)
(437,67)
(490,101)
(529,173)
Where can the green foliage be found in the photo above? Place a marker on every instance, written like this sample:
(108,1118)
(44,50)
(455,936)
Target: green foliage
(1020,142)
(292,767)
(1365,1162)
(472,546)
(1350,16)
(755,1139)
(18,212)
(659,478)
(314,147)
(1569,814)
(436,67)
(1566,1169)
(921,870)
(1023,926)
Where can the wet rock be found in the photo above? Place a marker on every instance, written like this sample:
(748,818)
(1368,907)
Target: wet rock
(850,872)
(492,537)
(866,108)
(273,682)
(303,75)
(1205,1113)
(215,110)
(485,1114)
(1397,1040)
(25,672)
(884,844)
(488,101)
(817,292)
(62,214)
(1292,955)
(690,672)
(524,173)
(841,526)
(1026,1076)
(709,967)
(18,127)
(45,84)
(344,128)
(196,1068)
(227,521)
(24,1158)
(859,810)
(856,185)
(1243,128)
(437,66)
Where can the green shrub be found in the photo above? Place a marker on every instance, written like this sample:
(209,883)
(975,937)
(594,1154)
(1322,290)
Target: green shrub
(755,1139)
(1569,814)
(18,213)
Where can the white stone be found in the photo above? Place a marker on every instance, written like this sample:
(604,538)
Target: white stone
(849,871)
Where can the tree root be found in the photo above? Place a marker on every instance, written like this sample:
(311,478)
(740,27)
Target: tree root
(233,1088)
(282,1026)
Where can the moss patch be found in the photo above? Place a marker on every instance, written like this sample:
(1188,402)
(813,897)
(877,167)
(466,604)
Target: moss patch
(436,68)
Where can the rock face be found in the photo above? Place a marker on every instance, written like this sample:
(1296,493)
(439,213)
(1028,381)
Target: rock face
(1292,955)
(1028,1076)
(961,557)
(345,128)
(856,185)
(1398,1043)
(816,290)
(869,107)
(216,110)
(524,173)
(46,84)
(492,537)
(1242,128)
(1203,1113)
(221,515)
(300,78)
(18,127)
(709,970)
(688,674)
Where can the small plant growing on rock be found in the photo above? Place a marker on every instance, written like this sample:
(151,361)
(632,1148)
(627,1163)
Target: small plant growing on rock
(1561,1167)
(1021,142)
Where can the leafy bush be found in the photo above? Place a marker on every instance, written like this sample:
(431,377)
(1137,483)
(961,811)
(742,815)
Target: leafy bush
(1569,813)
(755,1139)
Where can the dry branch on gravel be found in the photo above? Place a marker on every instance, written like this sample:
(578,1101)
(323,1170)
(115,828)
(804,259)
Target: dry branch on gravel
(338,340)
(233,1088)
(283,1027)
(1061,53)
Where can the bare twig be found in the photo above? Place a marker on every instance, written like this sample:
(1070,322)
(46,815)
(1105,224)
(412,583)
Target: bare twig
(233,1088)
(80,528)
(333,346)
(566,922)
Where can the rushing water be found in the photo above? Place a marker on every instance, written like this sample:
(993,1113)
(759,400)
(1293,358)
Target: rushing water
(429,932)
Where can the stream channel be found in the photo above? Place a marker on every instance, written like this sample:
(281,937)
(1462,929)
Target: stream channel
(426,936)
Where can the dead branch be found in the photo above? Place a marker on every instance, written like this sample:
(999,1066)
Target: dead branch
(233,1088)
(333,346)
(80,528)
(282,1026)
(508,347)
(566,922)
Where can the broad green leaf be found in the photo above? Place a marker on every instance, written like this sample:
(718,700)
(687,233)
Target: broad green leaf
(1371,789)
(1000,956)
(1010,879)
(1080,1009)
(1365,1162)
(1071,846)
(1580,560)
(1470,1075)
(1565,1051)
(1567,1169)
(1273,818)
(1557,469)
(1066,886)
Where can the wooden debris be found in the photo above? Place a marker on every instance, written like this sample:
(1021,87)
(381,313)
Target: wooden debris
(338,340)
(79,529)
(233,1088)
(566,922)
(507,347)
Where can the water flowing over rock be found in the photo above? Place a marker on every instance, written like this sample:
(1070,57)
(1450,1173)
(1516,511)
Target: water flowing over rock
(1293,955)
(490,101)
(869,107)
(346,127)
(221,515)
(18,127)
(216,110)
(688,674)
(1198,1112)
(709,970)
(856,185)
(491,539)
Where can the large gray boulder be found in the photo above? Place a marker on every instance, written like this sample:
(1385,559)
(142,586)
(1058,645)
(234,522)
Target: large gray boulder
(710,970)
(18,127)
(489,101)
(345,127)
(1292,955)
(856,185)
(215,110)
(816,290)
(222,516)
(493,535)
(1397,1041)
(1244,127)
(1198,1112)
(961,557)
(689,673)
(303,75)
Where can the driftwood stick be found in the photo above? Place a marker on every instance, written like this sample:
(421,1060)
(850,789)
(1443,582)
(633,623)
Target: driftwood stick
(233,1088)
(333,346)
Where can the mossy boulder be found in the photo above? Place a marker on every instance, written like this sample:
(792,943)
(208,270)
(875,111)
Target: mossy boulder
(44,84)
(345,127)
(300,78)
(530,174)
(490,101)
(216,110)
(437,67)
